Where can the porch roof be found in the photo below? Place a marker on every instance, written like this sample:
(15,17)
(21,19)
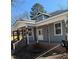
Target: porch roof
(26,22)
(22,23)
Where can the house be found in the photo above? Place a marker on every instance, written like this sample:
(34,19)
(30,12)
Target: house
(44,28)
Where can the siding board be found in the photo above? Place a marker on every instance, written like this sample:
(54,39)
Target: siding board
(48,33)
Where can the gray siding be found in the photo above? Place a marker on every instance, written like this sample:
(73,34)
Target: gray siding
(45,33)
(48,33)
(53,38)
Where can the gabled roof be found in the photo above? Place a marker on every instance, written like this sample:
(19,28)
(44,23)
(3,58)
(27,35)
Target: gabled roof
(57,12)
(56,18)
(52,13)
(27,22)
(41,14)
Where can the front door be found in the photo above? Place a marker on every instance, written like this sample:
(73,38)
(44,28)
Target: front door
(39,34)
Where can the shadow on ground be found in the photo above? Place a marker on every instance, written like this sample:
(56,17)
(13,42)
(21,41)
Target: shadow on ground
(32,51)
(28,53)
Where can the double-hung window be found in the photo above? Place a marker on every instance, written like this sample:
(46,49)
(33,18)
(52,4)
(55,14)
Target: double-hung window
(58,28)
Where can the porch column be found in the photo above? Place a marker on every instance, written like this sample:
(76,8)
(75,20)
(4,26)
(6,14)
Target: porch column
(66,27)
(22,34)
(36,30)
(27,39)
(18,34)
(13,35)
(27,35)
(35,34)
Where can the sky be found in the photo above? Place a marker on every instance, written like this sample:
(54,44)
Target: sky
(21,6)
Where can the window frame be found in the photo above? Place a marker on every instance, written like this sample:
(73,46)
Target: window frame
(55,29)
(31,33)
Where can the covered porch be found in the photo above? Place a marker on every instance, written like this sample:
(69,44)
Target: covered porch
(22,35)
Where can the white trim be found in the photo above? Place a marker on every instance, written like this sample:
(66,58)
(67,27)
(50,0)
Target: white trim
(33,33)
(43,17)
(41,14)
(27,39)
(55,29)
(51,19)
(14,44)
(37,35)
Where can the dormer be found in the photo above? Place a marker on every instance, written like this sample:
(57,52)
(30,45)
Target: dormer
(41,16)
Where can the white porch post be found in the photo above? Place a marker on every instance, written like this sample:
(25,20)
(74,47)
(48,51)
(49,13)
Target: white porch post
(37,40)
(36,35)
(27,39)
(65,20)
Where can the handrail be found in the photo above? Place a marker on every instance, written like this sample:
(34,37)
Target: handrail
(15,44)
(48,51)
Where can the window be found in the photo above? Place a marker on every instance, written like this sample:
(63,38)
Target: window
(30,32)
(39,32)
(58,28)
(39,18)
